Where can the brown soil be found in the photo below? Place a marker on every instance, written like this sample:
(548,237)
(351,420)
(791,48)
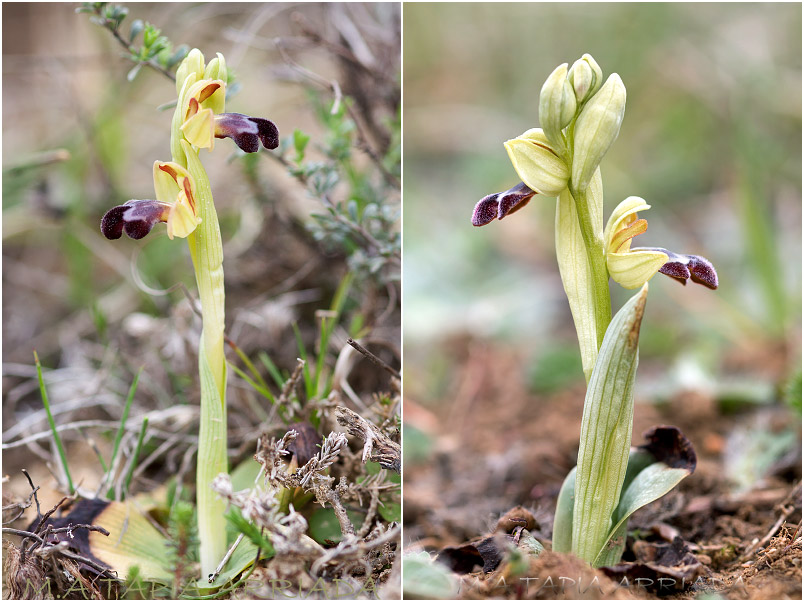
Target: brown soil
(497,445)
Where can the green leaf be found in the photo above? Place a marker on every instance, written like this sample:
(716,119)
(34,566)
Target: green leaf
(324,525)
(648,485)
(241,559)
(133,72)
(300,140)
(391,511)
(424,579)
(250,530)
(606,426)
(136,28)
(562,522)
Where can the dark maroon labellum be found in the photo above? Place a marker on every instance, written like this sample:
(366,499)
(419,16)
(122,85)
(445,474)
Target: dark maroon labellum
(501,204)
(686,267)
(247,132)
(136,218)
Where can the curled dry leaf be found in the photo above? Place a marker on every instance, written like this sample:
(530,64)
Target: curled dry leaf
(377,446)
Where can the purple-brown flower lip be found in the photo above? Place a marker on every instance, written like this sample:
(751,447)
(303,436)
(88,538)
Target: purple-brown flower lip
(687,267)
(136,218)
(247,132)
(500,204)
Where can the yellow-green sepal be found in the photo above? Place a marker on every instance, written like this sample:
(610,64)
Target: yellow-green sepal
(556,107)
(216,69)
(596,129)
(634,268)
(537,164)
(193,63)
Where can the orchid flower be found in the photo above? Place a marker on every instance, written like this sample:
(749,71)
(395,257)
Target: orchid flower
(175,205)
(203,120)
(633,267)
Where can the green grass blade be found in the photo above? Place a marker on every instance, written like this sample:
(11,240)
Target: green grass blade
(121,430)
(59,446)
(308,381)
(257,377)
(272,369)
(328,323)
(137,450)
(256,386)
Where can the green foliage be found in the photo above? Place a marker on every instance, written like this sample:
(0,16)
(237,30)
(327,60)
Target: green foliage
(792,393)
(325,528)
(52,423)
(155,50)
(119,437)
(555,369)
(423,579)
(250,530)
(363,222)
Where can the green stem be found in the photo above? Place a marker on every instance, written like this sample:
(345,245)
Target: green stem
(206,249)
(596,253)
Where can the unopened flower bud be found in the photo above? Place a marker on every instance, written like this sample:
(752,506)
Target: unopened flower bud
(596,130)
(192,63)
(586,77)
(537,164)
(556,106)
(216,69)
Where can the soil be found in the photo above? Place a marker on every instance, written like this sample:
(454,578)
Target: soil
(497,445)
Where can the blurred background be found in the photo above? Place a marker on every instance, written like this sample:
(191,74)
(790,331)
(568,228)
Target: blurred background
(711,139)
(315,218)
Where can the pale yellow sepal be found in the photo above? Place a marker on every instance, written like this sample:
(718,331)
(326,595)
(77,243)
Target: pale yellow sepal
(216,69)
(193,63)
(586,77)
(199,130)
(634,268)
(537,164)
(596,129)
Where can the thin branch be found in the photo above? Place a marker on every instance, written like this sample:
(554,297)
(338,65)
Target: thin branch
(374,359)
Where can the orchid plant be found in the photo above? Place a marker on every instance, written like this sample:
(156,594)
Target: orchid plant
(184,202)
(581,117)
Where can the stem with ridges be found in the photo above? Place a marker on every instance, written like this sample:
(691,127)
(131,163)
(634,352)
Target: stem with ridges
(596,252)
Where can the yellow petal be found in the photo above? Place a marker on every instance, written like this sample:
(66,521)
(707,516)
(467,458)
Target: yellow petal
(181,221)
(166,180)
(622,216)
(199,130)
(633,269)
(536,163)
(210,94)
